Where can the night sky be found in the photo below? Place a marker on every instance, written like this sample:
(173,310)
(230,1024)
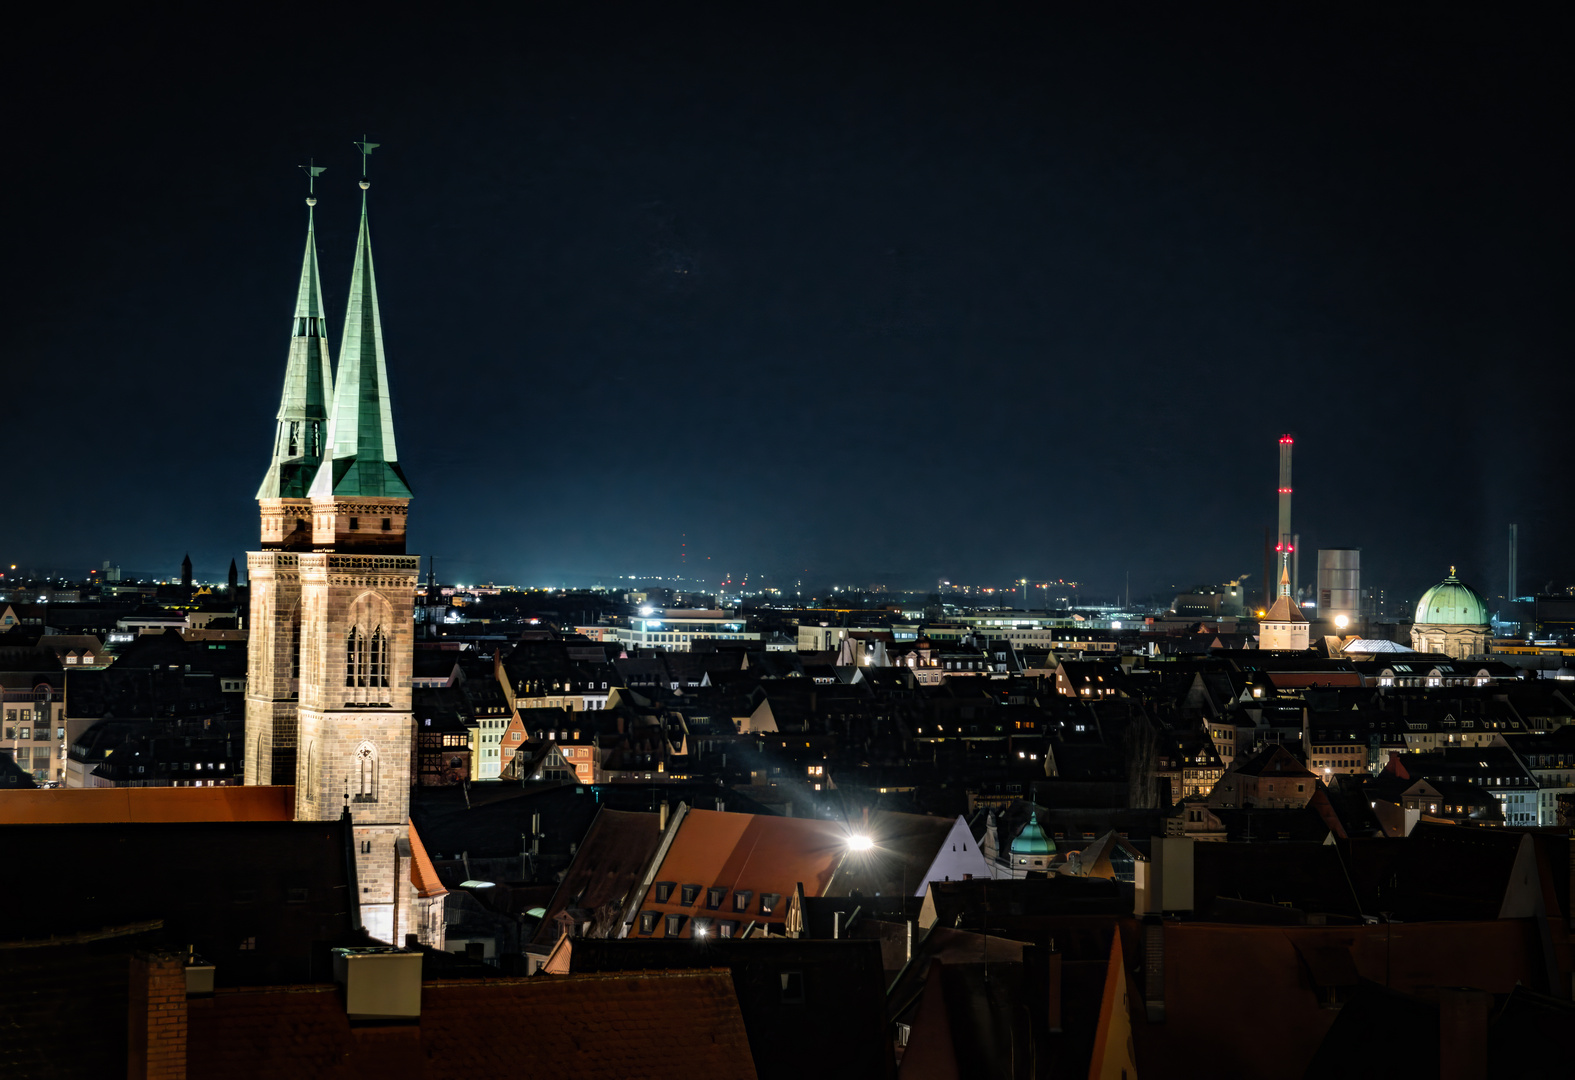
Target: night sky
(874,298)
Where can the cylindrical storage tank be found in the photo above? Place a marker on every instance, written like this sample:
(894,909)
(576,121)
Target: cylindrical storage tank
(1340,585)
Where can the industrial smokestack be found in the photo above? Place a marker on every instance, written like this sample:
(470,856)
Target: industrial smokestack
(1514,557)
(1286,544)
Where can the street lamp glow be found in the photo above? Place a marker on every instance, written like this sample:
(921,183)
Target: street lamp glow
(860,842)
(1342,621)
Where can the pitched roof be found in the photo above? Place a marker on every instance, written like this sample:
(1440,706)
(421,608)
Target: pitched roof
(766,855)
(54,806)
(1284,610)
(679,1025)
(423,875)
(606,868)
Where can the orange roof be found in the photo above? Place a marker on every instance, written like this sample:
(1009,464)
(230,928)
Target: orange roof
(82,806)
(423,875)
(758,853)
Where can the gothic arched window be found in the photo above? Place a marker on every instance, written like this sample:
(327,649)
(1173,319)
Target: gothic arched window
(377,670)
(364,772)
(369,651)
(354,671)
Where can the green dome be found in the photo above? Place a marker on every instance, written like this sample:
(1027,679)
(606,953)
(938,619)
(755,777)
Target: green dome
(1032,840)
(1452,603)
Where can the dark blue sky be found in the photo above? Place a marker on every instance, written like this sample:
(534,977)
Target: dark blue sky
(874,297)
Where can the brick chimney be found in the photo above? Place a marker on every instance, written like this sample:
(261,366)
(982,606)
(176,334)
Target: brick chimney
(156,1018)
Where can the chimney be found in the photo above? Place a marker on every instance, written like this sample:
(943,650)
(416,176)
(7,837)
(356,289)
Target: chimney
(1463,1033)
(156,1018)
(661,817)
(836,925)
(379,983)
(908,924)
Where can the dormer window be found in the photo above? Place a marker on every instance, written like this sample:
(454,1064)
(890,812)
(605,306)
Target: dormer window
(741,898)
(688,894)
(664,890)
(714,895)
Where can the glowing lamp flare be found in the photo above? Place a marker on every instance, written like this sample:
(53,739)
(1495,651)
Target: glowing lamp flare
(860,842)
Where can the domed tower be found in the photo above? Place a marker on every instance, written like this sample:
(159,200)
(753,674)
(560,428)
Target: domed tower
(1032,849)
(1452,619)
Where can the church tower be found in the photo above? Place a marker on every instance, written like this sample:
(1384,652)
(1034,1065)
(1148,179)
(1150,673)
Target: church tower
(274,649)
(339,531)
(358,590)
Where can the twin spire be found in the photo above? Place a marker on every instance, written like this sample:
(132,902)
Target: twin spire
(335,438)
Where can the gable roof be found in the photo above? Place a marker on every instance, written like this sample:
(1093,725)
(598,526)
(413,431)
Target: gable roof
(767,855)
(606,868)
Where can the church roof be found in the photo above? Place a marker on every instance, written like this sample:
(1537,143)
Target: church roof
(362,458)
(308,383)
(1452,603)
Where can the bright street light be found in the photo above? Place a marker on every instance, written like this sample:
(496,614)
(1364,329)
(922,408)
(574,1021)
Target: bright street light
(860,842)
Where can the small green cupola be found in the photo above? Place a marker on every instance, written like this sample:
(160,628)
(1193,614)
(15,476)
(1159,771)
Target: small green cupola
(1032,842)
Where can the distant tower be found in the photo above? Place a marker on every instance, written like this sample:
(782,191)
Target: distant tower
(234,578)
(1284,627)
(1286,544)
(1514,559)
(185,573)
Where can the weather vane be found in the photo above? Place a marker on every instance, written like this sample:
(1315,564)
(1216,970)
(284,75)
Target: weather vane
(366,152)
(312,173)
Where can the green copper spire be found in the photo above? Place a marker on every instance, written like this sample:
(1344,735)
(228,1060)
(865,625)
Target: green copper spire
(363,460)
(303,407)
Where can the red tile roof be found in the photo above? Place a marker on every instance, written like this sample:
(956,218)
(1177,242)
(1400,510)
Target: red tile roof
(423,875)
(656,1025)
(764,854)
(62,806)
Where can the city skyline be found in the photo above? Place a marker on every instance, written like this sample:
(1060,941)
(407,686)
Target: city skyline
(828,309)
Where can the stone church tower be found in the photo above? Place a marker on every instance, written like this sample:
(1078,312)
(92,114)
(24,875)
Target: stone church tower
(333,604)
